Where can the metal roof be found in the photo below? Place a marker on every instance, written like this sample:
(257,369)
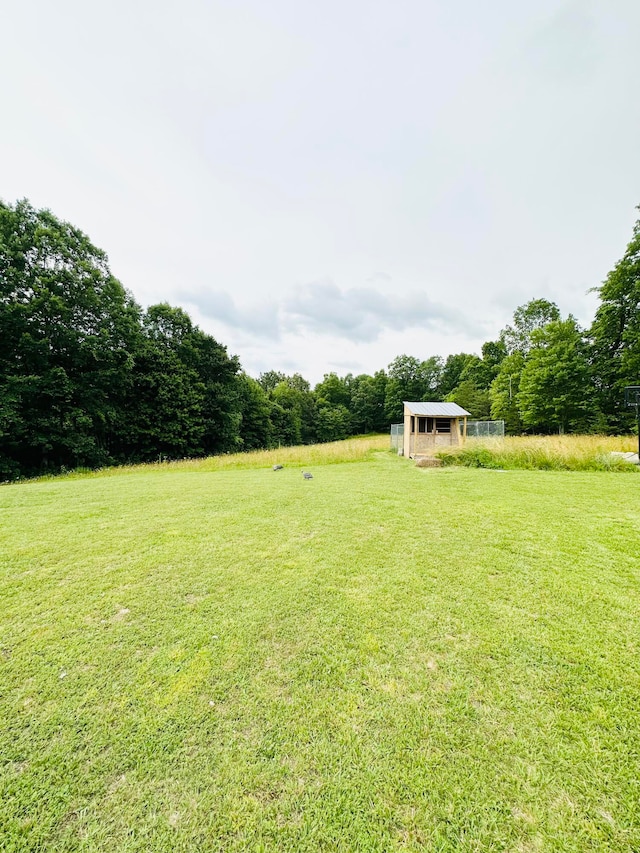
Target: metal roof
(437,410)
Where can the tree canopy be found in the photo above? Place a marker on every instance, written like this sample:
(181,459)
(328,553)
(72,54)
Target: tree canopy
(615,336)
(555,393)
(89,378)
(86,377)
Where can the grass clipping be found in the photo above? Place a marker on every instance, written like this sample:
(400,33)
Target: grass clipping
(546,453)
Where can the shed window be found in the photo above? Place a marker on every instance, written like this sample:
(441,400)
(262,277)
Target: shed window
(422,424)
(413,424)
(443,425)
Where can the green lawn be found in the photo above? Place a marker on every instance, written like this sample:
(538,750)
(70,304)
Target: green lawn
(382,658)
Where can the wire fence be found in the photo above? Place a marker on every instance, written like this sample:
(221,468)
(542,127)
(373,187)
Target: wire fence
(397,436)
(475,429)
(485,429)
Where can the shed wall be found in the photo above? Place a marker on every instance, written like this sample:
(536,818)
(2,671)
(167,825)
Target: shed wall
(423,443)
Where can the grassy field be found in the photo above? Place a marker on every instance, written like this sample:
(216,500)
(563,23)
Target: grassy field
(203,658)
(545,453)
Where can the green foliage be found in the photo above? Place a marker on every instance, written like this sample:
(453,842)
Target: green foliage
(256,426)
(333,403)
(475,400)
(166,416)
(368,394)
(545,383)
(270,379)
(85,378)
(294,412)
(473,377)
(411,379)
(68,336)
(287,413)
(506,358)
(469,457)
(293,408)
(454,371)
(555,390)
(504,393)
(222,408)
(332,422)
(333,391)
(526,320)
(616,336)
(493,354)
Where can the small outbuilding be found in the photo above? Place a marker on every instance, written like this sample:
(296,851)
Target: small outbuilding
(430,425)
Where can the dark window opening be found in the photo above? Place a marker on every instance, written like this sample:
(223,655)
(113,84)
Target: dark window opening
(413,424)
(422,424)
(443,425)
(429,424)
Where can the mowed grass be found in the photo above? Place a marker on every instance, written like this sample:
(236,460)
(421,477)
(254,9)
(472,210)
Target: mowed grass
(381,658)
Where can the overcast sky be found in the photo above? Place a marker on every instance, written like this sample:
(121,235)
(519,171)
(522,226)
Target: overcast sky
(324,186)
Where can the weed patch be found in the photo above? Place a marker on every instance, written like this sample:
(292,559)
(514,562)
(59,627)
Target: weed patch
(543,453)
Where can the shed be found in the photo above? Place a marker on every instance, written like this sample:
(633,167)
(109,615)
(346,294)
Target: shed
(429,425)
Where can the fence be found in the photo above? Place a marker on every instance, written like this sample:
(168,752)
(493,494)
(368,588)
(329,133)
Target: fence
(485,429)
(475,429)
(397,436)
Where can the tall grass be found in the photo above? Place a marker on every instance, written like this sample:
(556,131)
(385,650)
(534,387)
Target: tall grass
(557,452)
(357,449)
(351,450)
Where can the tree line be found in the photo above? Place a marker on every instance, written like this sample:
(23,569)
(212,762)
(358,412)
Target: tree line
(88,378)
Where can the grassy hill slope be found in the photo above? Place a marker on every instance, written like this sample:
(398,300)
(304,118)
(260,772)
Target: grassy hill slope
(379,658)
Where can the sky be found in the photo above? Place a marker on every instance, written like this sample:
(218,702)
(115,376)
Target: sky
(325,186)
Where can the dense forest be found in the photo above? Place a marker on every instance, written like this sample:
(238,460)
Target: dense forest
(88,378)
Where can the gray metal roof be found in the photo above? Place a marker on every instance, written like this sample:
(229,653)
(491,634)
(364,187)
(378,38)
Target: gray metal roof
(437,410)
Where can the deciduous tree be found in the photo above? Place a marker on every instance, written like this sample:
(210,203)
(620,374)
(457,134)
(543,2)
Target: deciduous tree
(504,393)
(526,319)
(411,379)
(615,336)
(367,403)
(556,392)
(68,335)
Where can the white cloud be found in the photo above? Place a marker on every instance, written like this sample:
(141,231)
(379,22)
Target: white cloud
(481,155)
(364,313)
(357,314)
(260,318)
